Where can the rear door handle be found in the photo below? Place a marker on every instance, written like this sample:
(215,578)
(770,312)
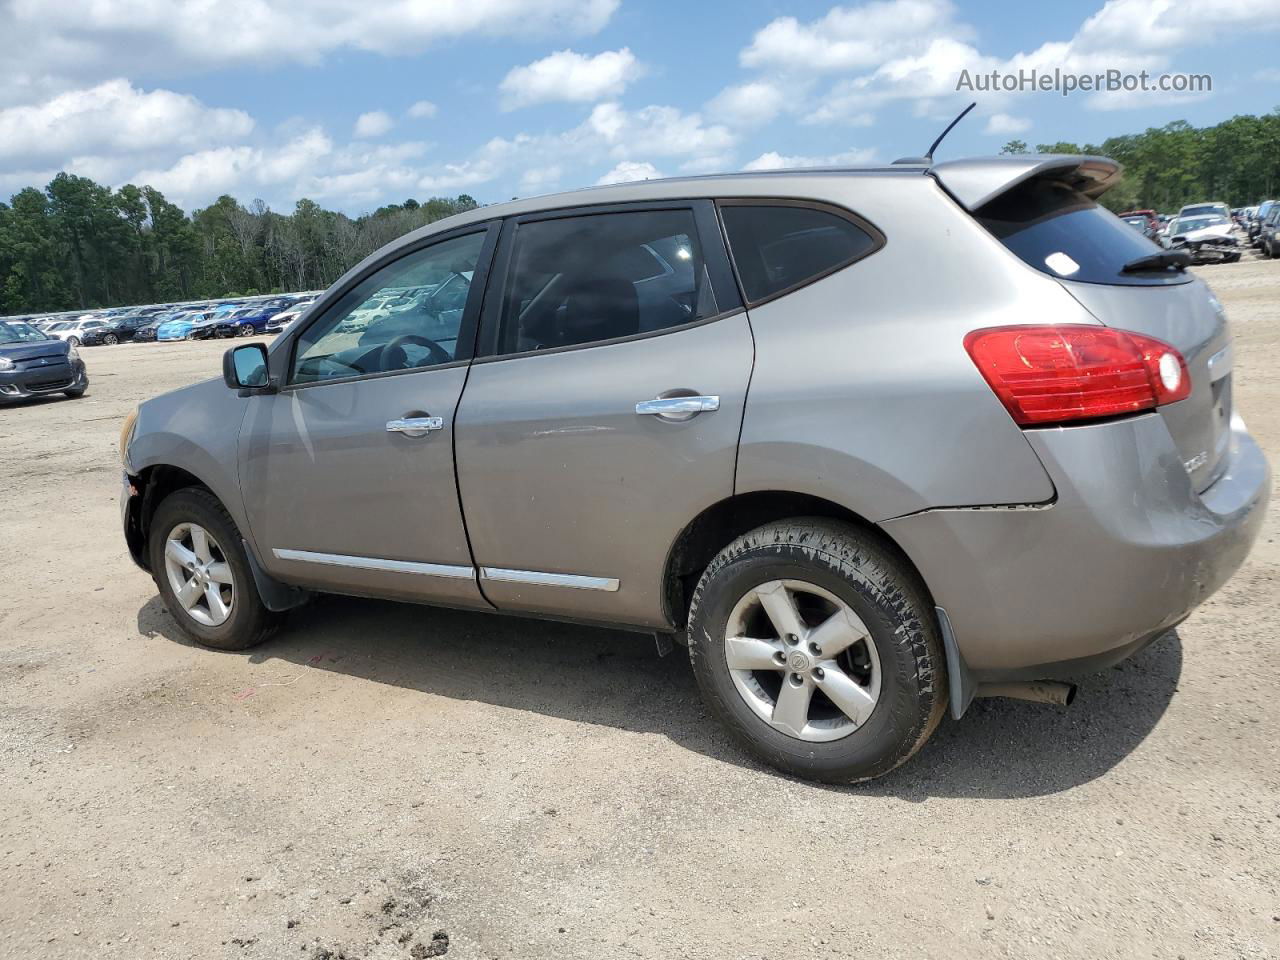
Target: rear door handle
(415,426)
(678,408)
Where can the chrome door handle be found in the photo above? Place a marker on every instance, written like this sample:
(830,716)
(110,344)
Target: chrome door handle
(678,408)
(415,426)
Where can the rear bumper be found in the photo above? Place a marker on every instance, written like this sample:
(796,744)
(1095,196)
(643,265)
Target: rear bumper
(42,381)
(1126,551)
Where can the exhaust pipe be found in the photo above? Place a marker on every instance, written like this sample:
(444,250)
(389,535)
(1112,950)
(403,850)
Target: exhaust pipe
(1036,691)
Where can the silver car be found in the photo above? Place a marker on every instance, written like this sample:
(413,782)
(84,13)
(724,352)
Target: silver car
(869,442)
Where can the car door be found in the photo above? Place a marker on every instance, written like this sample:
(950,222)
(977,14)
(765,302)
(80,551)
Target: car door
(603,414)
(348,470)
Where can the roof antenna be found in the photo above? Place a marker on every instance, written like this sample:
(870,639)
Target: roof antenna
(928,157)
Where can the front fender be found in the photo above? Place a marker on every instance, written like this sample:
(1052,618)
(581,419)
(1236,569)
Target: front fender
(195,429)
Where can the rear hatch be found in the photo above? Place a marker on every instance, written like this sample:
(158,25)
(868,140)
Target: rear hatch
(1044,211)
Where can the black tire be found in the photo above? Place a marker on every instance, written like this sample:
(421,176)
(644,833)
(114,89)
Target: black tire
(881,590)
(110,339)
(73,341)
(75,394)
(250,623)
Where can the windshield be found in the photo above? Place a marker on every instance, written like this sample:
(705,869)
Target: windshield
(1201,208)
(11,332)
(1188,224)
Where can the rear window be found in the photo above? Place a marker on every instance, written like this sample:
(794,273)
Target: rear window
(1063,233)
(776,247)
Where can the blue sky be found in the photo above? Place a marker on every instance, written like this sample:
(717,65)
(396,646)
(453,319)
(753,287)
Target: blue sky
(356,104)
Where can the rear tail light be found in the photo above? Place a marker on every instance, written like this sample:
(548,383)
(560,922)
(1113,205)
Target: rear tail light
(1061,374)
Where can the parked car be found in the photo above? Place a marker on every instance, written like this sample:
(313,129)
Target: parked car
(1254,228)
(248,320)
(34,364)
(116,330)
(1150,224)
(73,331)
(282,320)
(189,325)
(1269,235)
(857,497)
(1208,238)
(1206,209)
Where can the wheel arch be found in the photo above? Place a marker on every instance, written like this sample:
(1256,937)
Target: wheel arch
(153,484)
(723,522)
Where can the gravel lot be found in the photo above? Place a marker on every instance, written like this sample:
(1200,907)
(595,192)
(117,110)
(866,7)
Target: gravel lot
(388,781)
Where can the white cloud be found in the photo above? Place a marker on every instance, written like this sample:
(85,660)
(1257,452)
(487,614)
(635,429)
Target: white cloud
(422,110)
(849,38)
(569,76)
(48,46)
(114,117)
(629,171)
(776,161)
(893,50)
(373,124)
(748,104)
(653,131)
(1006,123)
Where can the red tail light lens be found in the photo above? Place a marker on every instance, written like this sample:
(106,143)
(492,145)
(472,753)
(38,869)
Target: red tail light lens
(1061,374)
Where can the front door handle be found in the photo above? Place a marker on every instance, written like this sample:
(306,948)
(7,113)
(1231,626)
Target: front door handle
(415,426)
(678,408)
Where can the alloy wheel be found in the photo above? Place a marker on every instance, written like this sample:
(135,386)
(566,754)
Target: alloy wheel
(199,574)
(246,330)
(802,660)
(110,339)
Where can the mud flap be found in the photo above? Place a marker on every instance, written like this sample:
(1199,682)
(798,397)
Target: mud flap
(276,596)
(960,683)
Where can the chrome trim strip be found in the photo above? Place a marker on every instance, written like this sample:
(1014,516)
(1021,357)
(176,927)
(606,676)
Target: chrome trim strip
(608,584)
(376,563)
(1220,364)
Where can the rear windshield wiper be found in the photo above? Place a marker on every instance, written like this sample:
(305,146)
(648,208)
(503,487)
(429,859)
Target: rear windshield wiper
(1178,259)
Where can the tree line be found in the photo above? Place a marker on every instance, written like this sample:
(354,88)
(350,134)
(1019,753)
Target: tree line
(1236,162)
(77,244)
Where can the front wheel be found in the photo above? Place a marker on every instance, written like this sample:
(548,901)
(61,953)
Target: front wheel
(203,573)
(818,650)
(110,339)
(73,341)
(246,330)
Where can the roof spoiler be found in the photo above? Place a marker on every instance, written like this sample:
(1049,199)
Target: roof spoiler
(978,181)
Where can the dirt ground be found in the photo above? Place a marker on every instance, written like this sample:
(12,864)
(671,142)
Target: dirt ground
(388,781)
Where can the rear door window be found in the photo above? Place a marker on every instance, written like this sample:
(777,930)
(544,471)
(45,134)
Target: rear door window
(1065,234)
(779,247)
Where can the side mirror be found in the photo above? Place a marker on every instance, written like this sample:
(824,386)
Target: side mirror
(244,368)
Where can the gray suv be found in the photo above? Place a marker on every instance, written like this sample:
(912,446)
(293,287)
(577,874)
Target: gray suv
(870,442)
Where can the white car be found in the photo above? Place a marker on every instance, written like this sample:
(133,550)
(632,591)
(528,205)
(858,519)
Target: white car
(1198,228)
(72,331)
(1205,209)
(284,318)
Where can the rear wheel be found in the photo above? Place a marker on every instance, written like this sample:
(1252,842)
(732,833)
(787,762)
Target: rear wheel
(74,341)
(203,573)
(818,649)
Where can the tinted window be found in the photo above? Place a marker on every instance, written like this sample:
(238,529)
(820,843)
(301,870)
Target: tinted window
(777,247)
(405,316)
(580,280)
(1065,234)
(12,332)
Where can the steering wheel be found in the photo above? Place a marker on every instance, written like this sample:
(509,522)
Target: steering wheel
(393,357)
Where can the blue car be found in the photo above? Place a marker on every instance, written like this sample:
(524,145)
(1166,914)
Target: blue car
(185,327)
(249,319)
